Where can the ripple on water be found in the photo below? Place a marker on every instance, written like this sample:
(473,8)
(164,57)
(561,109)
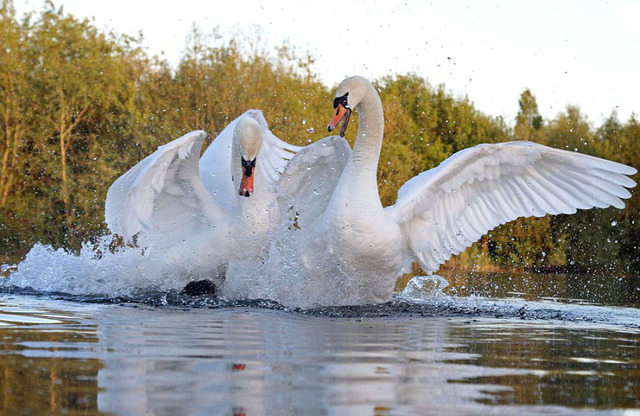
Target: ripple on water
(429,306)
(448,356)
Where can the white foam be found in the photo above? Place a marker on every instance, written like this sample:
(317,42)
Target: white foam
(99,270)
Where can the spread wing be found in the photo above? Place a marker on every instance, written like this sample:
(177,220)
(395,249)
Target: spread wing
(215,163)
(310,178)
(444,210)
(162,193)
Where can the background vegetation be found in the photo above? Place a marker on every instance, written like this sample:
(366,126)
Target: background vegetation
(78,107)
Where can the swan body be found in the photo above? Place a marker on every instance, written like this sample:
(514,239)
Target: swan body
(199,214)
(351,250)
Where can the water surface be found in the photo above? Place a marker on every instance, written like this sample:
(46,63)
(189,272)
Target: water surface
(441,356)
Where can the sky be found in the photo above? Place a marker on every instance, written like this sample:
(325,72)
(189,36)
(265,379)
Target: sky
(584,53)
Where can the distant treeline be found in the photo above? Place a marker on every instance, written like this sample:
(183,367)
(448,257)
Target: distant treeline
(78,107)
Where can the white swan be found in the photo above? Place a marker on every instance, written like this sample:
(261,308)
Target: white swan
(216,162)
(351,250)
(197,215)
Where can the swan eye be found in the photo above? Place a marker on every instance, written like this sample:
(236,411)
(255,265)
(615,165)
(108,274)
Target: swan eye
(341,101)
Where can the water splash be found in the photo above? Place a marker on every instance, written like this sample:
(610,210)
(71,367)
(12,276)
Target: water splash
(129,274)
(101,269)
(276,274)
(420,288)
(295,270)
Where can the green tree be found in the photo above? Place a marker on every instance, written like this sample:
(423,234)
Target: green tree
(529,122)
(76,71)
(570,130)
(408,148)
(69,88)
(14,96)
(617,141)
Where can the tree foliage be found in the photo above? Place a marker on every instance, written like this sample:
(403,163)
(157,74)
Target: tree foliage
(78,107)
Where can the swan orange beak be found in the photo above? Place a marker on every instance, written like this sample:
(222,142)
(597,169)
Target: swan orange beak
(342,115)
(246,185)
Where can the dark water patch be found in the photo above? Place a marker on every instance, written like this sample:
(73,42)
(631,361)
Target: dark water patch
(474,308)
(170,298)
(398,308)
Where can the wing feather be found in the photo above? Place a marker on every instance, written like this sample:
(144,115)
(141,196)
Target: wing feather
(444,210)
(310,178)
(162,193)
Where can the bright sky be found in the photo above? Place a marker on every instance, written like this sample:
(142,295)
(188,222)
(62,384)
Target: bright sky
(583,52)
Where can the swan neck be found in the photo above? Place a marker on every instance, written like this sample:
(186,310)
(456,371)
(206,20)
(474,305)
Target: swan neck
(366,150)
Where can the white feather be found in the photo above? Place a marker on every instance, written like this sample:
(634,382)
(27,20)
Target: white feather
(496,183)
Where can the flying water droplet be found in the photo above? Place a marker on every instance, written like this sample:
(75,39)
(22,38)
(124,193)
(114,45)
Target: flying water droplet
(420,288)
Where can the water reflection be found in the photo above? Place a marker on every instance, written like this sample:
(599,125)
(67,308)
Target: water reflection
(48,363)
(573,288)
(570,366)
(64,357)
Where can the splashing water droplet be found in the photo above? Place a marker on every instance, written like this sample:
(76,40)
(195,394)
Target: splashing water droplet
(420,288)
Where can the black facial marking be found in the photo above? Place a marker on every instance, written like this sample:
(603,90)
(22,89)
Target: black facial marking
(247,167)
(341,100)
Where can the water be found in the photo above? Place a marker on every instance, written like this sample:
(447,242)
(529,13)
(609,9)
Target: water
(168,354)
(103,333)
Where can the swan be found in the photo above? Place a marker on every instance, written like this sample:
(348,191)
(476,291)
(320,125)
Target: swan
(196,215)
(351,250)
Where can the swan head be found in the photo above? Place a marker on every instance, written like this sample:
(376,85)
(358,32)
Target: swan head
(349,94)
(247,138)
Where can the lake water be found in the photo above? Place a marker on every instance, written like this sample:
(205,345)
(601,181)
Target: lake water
(520,348)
